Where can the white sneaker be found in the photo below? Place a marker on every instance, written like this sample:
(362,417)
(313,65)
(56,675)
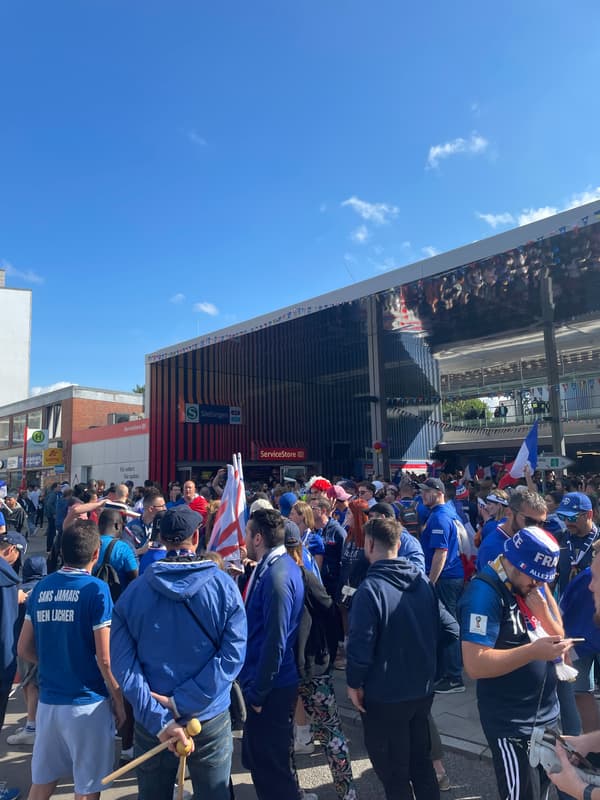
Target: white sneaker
(127,755)
(22,737)
(186,795)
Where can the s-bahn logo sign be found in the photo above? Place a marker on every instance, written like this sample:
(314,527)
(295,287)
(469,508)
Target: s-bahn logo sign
(212,415)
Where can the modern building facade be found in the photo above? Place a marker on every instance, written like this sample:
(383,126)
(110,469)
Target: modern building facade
(62,412)
(15,341)
(355,381)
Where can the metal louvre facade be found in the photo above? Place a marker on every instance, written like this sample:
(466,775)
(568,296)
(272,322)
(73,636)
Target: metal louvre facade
(303,383)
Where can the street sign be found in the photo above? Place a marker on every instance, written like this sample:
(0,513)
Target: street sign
(37,439)
(554,462)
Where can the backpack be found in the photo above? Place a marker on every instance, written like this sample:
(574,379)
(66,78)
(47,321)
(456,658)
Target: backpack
(107,573)
(409,518)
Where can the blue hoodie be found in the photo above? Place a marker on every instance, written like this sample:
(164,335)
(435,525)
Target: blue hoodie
(394,630)
(9,622)
(275,606)
(157,645)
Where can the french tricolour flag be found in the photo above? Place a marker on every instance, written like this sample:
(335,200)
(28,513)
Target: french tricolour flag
(527,455)
(228,532)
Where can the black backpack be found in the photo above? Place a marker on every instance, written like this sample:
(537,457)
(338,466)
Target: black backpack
(409,518)
(107,573)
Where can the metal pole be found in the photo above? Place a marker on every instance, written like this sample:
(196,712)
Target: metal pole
(381,460)
(552,374)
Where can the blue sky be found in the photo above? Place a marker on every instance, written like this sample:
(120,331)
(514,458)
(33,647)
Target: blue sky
(170,168)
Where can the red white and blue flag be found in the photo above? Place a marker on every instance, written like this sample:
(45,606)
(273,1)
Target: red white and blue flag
(228,531)
(527,455)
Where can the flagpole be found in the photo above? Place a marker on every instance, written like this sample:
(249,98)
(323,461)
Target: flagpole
(24,473)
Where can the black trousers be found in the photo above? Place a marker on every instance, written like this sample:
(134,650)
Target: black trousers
(399,746)
(268,746)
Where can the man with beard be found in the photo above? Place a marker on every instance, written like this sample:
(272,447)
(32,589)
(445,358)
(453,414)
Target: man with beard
(576,549)
(582,618)
(505,622)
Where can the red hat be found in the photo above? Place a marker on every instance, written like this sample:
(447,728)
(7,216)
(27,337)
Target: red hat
(321,485)
(200,504)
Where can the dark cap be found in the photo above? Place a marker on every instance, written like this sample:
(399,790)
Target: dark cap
(292,533)
(385,509)
(179,523)
(432,483)
(14,538)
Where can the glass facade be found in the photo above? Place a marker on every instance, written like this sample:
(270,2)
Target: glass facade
(307,381)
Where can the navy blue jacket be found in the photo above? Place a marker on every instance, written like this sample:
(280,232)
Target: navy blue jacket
(274,609)
(9,622)
(394,630)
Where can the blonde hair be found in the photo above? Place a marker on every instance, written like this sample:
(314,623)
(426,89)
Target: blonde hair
(306,512)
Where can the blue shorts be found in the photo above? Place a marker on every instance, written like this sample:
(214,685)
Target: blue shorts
(584,682)
(74,740)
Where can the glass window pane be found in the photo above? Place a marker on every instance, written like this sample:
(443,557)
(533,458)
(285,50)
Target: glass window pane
(34,419)
(4,432)
(18,429)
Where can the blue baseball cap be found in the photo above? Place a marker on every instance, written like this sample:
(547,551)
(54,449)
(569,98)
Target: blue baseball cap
(286,502)
(179,523)
(573,504)
(533,551)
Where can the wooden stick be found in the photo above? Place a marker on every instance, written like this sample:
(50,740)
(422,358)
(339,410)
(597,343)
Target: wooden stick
(139,760)
(181,779)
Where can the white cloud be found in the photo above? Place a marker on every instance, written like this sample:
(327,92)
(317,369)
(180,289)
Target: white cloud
(406,245)
(360,234)
(528,215)
(533,214)
(583,197)
(385,265)
(177,298)
(196,138)
(206,308)
(430,251)
(494,220)
(378,213)
(349,258)
(474,145)
(35,390)
(323,208)
(27,275)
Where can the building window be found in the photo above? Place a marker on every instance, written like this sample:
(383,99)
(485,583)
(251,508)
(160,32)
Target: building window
(34,420)
(19,423)
(4,432)
(54,421)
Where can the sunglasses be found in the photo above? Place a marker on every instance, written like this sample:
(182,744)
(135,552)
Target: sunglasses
(529,521)
(569,517)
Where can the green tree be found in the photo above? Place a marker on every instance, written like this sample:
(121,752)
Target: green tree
(139,389)
(458,410)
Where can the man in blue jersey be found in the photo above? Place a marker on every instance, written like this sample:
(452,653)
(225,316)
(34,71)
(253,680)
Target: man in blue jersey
(444,567)
(66,631)
(507,650)
(269,679)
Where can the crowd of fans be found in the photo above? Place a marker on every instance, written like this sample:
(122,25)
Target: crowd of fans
(421,577)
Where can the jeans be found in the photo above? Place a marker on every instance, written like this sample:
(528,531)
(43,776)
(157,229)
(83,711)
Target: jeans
(268,746)
(449,590)
(569,715)
(50,533)
(399,746)
(209,764)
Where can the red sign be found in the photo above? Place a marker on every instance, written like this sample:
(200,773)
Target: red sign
(281,454)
